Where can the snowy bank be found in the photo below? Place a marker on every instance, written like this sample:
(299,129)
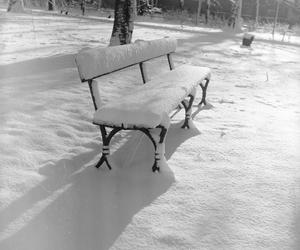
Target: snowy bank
(232,182)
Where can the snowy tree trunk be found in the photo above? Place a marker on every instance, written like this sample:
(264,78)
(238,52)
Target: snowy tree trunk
(125,11)
(181,4)
(51,4)
(257,13)
(208,9)
(99,3)
(15,6)
(238,24)
(198,11)
(276,17)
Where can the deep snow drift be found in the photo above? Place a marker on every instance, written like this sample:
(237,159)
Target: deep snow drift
(232,180)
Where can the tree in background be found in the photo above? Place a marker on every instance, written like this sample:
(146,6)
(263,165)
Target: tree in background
(99,4)
(15,6)
(82,7)
(181,4)
(51,5)
(257,13)
(125,12)
(204,10)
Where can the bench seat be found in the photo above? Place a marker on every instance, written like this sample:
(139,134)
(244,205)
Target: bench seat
(150,104)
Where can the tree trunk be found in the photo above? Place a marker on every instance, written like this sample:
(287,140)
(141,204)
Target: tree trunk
(15,6)
(125,11)
(181,4)
(276,17)
(257,13)
(51,5)
(238,21)
(198,11)
(99,4)
(208,9)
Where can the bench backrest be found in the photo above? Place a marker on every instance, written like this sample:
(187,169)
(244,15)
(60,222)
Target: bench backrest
(99,61)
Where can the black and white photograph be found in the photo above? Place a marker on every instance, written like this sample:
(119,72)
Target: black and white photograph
(149,124)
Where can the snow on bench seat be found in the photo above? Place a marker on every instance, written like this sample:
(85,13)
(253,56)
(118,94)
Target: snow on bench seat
(150,104)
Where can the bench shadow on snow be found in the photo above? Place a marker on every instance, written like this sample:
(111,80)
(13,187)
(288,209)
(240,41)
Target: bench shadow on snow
(89,208)
(37,66)
(296,223)
(77,206)
(80,207)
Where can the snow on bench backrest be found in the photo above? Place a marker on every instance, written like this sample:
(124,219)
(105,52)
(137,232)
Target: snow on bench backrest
(95,62)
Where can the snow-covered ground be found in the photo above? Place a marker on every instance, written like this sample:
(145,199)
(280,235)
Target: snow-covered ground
(233,181)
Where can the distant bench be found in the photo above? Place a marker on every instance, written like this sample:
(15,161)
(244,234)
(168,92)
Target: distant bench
(148,106)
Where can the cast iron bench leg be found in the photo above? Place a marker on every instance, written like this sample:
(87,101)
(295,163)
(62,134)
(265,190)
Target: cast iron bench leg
(204,89)
(105,145)
(188,109)
(159,149)
(159,145)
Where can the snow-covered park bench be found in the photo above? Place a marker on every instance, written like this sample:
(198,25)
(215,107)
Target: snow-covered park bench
(148,106)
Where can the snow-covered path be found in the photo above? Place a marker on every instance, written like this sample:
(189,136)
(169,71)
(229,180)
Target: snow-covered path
(233,181)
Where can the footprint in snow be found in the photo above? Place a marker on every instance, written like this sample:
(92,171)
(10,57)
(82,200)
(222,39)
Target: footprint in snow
(226,101)
(267,104)
(222,134)
(243,86)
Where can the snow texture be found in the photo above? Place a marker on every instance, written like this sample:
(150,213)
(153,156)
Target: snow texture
(232,181)
(98,61)
(149,105)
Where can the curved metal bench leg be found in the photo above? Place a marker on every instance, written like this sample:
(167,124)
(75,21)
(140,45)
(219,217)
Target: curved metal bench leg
(160,150)
(204,89)
(105,145)
(159,146)
(188,109)
(102,160)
